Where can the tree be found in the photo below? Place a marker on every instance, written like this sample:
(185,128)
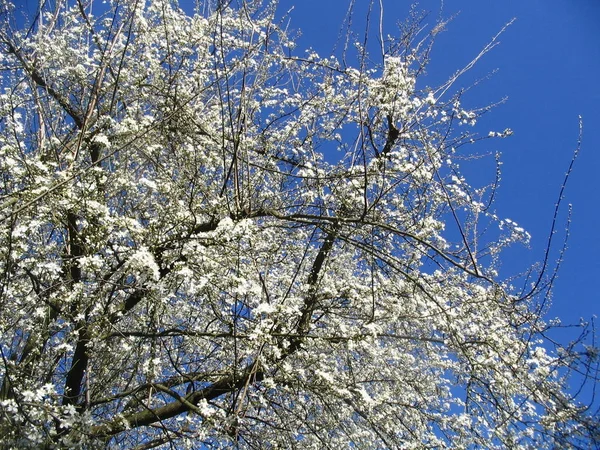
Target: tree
(208,240)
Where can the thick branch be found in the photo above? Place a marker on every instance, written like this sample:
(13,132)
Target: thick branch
(80,357)
(310,303)
(149,416)
(392,136)
(78,367)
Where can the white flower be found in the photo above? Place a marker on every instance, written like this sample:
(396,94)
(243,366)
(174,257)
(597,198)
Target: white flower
(102,139)
(265,308)
(143,261)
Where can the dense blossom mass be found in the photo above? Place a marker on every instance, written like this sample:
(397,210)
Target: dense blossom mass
(211,239)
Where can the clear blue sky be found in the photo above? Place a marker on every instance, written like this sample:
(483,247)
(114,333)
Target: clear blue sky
(549,68)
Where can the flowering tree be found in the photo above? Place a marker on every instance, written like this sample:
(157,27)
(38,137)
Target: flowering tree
(207,240)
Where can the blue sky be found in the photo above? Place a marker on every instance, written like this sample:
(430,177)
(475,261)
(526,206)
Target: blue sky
(548,65)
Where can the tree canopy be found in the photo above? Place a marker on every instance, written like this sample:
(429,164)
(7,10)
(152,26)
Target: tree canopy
(210,238)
